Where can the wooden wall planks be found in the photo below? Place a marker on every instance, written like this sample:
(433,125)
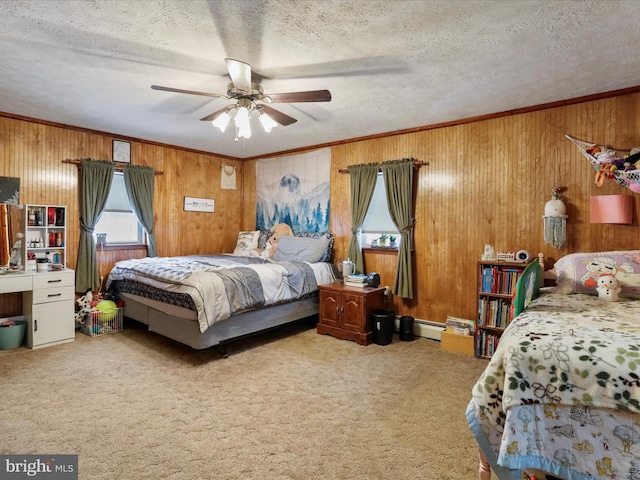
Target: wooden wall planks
(487,182)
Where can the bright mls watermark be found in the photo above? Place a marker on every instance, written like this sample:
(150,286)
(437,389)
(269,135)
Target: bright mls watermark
(50,467)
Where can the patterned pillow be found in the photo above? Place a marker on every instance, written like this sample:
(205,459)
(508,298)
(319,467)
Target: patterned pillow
(246,242)
(579,272)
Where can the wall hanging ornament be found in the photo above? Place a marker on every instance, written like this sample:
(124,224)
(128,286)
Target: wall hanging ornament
(555,220)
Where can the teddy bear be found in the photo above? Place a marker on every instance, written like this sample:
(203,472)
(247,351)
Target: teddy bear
(608,288)
(275,232)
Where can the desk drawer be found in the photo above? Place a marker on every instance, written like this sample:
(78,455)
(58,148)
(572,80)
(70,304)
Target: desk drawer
(53,279)
(54,294)
(15,282)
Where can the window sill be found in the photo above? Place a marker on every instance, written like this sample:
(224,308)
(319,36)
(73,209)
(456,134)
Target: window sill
(381,250)
(121,246)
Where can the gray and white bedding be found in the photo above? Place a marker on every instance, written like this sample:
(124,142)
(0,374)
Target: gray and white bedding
(218,286)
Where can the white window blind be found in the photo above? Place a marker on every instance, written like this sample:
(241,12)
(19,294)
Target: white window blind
(118,200)
(378,219)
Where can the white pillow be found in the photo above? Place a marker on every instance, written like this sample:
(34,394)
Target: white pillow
(246,242)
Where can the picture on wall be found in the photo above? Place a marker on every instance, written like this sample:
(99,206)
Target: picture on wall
(10,190)
(294,190)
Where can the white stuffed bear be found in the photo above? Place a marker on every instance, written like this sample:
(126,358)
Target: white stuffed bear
(608,288)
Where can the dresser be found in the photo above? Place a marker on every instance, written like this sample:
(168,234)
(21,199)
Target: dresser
(47,304)
(345,312)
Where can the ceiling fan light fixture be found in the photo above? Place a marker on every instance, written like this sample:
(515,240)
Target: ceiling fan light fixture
(242,122)
(221,121)
(267,122)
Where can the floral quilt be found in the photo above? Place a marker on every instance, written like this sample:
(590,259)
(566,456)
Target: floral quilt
(567,368)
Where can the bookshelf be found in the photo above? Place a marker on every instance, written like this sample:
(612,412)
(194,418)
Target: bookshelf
(496,287)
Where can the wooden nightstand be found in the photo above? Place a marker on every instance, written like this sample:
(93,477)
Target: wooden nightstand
(345,311)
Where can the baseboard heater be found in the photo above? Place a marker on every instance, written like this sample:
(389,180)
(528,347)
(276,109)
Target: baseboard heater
(424,328)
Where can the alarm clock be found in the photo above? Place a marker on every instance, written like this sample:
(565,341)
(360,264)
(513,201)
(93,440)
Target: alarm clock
(373,280)
(522,256)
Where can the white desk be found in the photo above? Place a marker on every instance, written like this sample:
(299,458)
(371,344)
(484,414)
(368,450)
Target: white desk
(47,304)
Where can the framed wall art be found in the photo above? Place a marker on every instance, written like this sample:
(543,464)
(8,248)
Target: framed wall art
(121,151)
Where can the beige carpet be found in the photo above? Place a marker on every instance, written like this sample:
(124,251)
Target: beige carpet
(290,404)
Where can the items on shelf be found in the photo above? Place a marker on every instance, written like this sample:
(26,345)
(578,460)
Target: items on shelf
(497,281)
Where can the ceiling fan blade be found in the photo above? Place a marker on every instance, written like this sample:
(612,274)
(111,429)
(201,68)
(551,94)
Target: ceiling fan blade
(240,73)
(295,97)
(190,92)
(211,117)
(277,116)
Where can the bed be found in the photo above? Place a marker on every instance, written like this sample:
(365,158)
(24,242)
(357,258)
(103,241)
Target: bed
(560,398)
(206,300)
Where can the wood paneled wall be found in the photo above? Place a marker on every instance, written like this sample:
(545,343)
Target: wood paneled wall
(487,182)
(34,152)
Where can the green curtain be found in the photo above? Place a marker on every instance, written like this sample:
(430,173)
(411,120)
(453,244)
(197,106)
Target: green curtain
(398,181)
(139,182)
(363,183)
(95,182)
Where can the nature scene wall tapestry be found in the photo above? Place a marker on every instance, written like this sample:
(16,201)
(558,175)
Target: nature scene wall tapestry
(294,190)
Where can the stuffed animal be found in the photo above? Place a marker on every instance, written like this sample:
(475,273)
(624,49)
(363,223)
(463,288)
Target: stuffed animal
(277,231)
(84,302)
(608,288)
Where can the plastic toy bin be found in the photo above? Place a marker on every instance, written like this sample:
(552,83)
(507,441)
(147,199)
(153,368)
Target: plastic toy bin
(12,336)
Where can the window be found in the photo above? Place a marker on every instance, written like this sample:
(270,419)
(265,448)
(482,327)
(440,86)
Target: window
(118,220)
(378,220)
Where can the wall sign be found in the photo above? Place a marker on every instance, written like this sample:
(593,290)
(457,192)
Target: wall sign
(193,204)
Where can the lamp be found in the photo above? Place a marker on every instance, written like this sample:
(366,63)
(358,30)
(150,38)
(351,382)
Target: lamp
(611,209)
(221,121)
(241,113)
(242,122)
(267,122)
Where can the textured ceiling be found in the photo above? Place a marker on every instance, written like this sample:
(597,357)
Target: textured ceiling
(390,65)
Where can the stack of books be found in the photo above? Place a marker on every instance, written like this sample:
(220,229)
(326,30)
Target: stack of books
(356,280)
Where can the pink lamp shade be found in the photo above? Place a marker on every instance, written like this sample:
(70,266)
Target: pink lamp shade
(612,209)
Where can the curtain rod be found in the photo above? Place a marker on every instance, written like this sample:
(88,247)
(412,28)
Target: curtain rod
(416,165)
(78,163)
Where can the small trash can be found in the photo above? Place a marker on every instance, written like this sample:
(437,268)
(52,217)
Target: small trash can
(12,336)
(406,328)
(383,322)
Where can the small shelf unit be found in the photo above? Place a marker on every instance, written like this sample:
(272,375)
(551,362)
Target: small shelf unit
(46,234)
(496,288)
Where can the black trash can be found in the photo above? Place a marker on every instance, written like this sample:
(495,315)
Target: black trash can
(383,323)
(406,328)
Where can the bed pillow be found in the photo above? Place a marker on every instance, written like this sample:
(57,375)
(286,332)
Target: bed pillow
(579,272)
(328,235)
(246,242)
(301,249)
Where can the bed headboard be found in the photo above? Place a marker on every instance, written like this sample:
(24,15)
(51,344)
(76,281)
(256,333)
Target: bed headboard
(528,287)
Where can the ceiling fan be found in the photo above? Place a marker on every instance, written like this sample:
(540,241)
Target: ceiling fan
(250,98)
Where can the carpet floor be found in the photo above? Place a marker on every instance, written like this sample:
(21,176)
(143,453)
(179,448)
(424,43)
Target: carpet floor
(287,404)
